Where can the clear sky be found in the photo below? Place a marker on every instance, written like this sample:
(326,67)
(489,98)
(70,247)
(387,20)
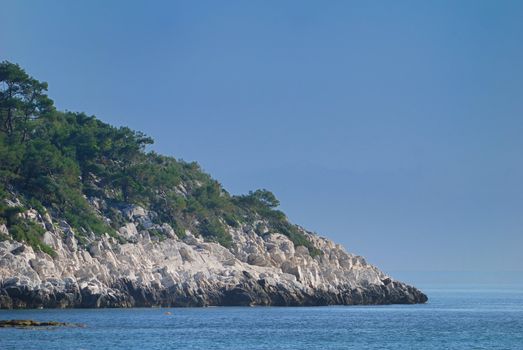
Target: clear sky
(392,127)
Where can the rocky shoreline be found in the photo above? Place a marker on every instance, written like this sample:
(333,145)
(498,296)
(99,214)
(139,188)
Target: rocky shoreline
(146,271)
(251,293)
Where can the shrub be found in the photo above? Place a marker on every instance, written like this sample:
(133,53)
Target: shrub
(214,230)
(30,233)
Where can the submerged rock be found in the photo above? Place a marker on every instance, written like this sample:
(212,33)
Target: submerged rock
(31,324)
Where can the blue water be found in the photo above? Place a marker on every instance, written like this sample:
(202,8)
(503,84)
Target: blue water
(454,319)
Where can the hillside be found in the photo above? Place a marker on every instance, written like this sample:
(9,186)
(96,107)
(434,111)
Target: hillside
(89,217)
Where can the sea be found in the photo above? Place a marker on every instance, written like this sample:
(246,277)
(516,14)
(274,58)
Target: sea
(465,317)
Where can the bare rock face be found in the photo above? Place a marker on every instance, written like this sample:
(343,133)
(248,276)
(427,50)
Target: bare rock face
(256,270)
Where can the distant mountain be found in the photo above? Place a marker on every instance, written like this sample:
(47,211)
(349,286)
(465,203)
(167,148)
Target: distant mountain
(89,218)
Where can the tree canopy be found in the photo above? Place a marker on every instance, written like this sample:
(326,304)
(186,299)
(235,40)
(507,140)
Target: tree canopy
(22,99)
(60,162)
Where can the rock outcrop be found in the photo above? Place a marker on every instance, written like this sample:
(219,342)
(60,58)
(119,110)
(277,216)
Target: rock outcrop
(148,270)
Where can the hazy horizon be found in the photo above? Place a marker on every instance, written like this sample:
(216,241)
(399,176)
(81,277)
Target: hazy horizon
(394,129)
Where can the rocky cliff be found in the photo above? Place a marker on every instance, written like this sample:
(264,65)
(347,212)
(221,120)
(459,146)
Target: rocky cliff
(153,270)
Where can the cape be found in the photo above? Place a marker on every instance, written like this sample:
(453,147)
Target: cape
(90,218)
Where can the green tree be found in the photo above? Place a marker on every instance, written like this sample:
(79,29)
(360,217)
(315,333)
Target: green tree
(260,197)
(22,100)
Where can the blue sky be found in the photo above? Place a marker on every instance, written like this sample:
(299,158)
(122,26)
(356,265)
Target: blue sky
(394,128)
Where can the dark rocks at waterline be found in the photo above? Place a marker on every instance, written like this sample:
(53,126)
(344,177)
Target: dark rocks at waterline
(128,294)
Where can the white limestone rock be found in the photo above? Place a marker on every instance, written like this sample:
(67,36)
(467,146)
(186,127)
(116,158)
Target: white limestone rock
(261,270)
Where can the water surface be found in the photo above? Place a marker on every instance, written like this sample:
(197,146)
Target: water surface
(453,319)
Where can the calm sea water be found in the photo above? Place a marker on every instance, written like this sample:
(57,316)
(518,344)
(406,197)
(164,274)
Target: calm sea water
(454,319)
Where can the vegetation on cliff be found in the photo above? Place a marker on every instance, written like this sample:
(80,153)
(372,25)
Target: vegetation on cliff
(63,162)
